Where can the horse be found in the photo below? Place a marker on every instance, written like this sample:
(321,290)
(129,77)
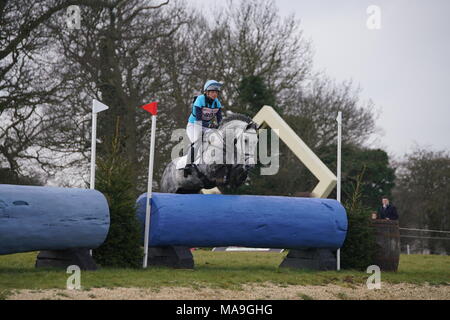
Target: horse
(223,157)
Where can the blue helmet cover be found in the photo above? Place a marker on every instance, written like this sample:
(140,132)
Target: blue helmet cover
(212,85)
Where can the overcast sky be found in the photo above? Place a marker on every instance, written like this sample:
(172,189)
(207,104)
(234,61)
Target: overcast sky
(404,67)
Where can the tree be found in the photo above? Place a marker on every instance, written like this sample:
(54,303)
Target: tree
(248,42)
(378,179)
(135,51)
(122,247)
(421,195)
(8,176)
(253,95)
(319,103)
(129,53)
(25,83)
(113,58)
(359,248)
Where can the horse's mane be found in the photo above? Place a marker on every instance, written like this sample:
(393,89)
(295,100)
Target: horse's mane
(237,116)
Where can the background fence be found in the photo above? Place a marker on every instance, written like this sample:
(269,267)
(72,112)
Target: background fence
(424,241)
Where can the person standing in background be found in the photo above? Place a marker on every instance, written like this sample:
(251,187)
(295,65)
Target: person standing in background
(387,211)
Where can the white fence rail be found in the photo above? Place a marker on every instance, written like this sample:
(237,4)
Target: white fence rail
(422,237)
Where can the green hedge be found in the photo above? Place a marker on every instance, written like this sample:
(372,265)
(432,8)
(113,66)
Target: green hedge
(123,247)
(359,247)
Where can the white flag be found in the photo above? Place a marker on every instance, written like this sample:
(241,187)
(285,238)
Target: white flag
(97,106)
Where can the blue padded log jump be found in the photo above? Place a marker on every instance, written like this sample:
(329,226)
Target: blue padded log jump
(46,218)
(198,220)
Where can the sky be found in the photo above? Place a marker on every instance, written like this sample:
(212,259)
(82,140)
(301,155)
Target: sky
(403,67)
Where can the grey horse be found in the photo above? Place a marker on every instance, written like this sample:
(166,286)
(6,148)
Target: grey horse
(222,158)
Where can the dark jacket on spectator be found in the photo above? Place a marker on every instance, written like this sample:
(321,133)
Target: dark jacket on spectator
(388,212)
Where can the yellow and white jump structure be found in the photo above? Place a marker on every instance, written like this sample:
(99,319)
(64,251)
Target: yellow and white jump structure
(267,117)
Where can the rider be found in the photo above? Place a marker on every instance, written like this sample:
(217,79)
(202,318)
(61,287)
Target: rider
(205,108)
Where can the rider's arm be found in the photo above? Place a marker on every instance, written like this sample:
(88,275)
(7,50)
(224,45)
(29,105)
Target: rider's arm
(198,113)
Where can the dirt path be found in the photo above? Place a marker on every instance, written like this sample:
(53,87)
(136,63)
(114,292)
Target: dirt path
(249,292)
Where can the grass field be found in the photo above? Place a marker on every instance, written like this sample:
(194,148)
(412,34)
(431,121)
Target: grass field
(227,270)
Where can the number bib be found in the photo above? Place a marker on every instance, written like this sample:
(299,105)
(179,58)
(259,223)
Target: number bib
(209,113)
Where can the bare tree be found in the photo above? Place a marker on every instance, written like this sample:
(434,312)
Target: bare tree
(127,53)
(318,104)
(24,85)
(421,193)
(251,39)
(113,57)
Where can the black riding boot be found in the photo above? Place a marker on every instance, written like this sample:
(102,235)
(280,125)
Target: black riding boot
(190,163)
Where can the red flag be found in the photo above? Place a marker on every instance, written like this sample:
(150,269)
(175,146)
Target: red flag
(152,107)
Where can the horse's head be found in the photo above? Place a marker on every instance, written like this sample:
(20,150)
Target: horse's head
(230,151)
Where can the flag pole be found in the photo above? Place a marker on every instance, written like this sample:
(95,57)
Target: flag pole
(93,148)
(97,107)
(339,177)
(153,109)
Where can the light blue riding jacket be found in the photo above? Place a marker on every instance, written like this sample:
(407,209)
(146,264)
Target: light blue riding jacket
(207,112)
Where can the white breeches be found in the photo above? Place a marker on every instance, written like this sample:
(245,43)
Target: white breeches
(194,130)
